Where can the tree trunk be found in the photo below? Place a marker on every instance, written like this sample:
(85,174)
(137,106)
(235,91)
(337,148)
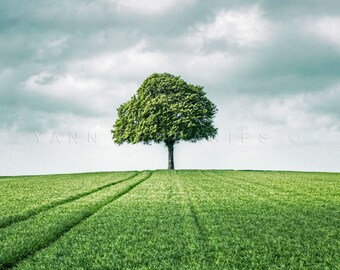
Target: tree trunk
(171,164)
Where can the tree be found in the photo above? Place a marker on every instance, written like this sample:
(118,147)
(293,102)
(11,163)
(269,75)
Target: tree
(166,110)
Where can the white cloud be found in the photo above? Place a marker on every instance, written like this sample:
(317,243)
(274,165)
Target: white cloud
(109,78)
(102,80)
(86,92)
(90,56)
(307,114)
(134,62)
(207,68)
(64,86)
(148,7)
(242,28)
(326,28)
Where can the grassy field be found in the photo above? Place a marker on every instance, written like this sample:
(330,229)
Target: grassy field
(171,220)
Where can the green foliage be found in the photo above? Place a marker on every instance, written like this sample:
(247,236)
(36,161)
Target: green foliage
(165,109)
(178,220)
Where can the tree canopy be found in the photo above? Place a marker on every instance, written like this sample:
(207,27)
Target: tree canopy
(167,110)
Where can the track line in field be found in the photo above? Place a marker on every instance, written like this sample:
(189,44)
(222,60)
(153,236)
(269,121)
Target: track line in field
(201,230)
(240,183)
(250,182)
(267,188)
(202,233)
(30,213)
(10,265)
(279,195)
(257,191)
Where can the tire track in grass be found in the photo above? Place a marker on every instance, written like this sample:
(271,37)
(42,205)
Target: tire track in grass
(202,232)
(150,228)
(198,198)
(32,212)
(262,191)
(269,185)
(292,187)
(209,221)
(198,224)
(241,184)
(277,227)
(254,194)
(80,217)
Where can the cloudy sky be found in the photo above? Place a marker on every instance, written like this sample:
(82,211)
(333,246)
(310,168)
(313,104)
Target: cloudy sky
(271,67)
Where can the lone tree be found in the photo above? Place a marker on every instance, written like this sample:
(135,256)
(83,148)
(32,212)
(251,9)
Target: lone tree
(166,110)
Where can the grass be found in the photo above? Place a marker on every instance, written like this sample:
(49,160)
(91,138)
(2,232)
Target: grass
(176,220)
(39,193)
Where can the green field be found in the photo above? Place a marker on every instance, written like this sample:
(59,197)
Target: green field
(171,220)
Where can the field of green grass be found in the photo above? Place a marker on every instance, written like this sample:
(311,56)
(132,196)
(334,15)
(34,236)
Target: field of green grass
(171,220)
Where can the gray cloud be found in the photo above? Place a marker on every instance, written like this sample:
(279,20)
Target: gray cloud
(263,63)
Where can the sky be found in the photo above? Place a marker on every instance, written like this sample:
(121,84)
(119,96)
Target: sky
(271,67)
